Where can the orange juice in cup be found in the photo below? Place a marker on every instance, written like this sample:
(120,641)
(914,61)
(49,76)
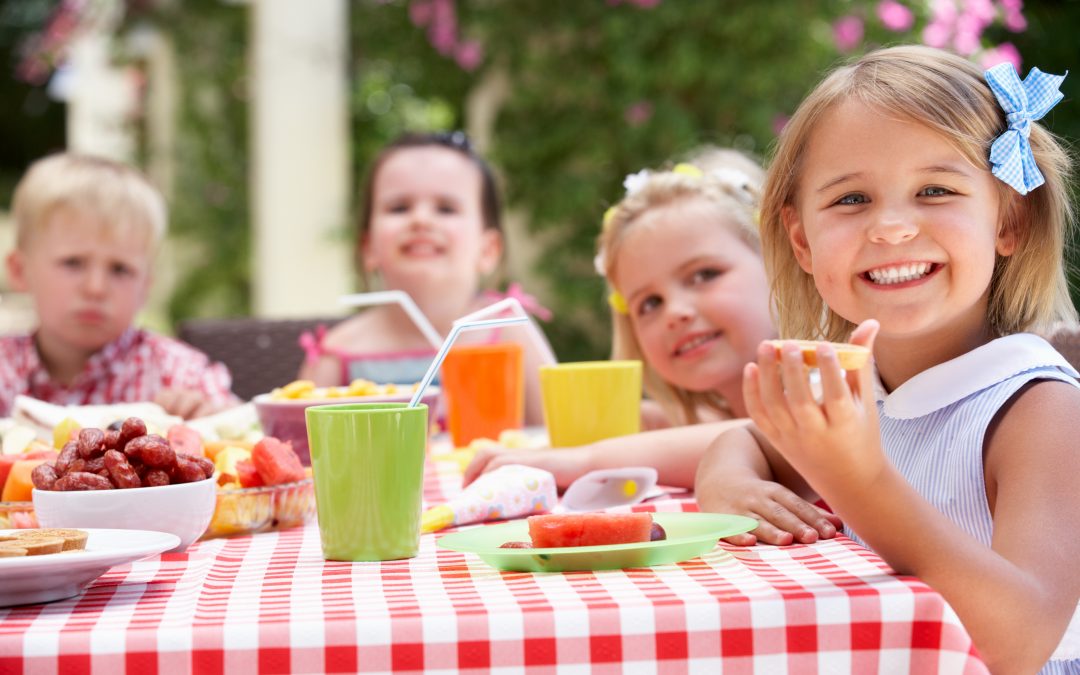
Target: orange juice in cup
(485,390)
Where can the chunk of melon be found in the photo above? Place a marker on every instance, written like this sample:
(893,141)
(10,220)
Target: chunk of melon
(589,529)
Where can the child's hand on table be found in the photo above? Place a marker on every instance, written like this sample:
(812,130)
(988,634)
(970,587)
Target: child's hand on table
(186,403)
(566,464)
(783,517)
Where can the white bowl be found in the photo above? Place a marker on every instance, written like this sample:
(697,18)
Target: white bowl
(184,509)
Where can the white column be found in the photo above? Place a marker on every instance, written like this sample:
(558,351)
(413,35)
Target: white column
(101,98)
(300,180)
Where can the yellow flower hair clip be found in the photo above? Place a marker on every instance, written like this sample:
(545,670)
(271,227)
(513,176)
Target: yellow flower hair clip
(618,302)
(688,170)
(609,215)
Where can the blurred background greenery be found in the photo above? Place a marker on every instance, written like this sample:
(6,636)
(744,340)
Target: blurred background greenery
(589,91)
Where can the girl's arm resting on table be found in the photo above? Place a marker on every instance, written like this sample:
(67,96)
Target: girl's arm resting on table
(1017,597)
(324,371)
(741,474)
(674,452)
(653,417)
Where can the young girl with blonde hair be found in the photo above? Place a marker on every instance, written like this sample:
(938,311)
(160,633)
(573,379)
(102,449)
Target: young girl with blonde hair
(915,206)
(689,298)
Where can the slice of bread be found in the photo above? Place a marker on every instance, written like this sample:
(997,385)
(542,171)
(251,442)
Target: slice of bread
(851,357)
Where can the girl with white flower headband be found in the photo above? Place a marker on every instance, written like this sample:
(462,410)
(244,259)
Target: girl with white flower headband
(689,298)
(914,206)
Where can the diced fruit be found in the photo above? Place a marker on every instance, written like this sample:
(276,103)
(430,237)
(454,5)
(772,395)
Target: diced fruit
(277,462)
(17,439)
(6,462)
(589,529)
(212,448)
(247,474)
(225,461)
(63,431)
(19,487)
(184,439)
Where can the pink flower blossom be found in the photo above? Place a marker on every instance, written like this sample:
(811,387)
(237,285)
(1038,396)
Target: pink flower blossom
(983,10)
(420,12)
(1006,51)
(638,113)
(847,33)
(1014,21)
(966,43)
(936,34)
(895,16)
(779,122)
(1011,5)
(469,54)
(945,11)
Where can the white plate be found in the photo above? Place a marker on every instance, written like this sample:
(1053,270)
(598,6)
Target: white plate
(44,578)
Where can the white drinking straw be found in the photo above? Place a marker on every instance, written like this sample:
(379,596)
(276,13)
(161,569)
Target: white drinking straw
(407,304)
(539,343)
(459,328)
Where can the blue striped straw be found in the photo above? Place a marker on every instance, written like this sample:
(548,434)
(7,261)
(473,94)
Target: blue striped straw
(458,329)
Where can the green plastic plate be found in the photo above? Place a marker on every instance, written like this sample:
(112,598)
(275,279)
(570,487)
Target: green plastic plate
(688,536)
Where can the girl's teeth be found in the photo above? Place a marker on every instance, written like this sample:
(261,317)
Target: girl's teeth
(900,274)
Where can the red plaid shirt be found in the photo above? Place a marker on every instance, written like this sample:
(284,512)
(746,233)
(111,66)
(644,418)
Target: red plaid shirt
(133,368)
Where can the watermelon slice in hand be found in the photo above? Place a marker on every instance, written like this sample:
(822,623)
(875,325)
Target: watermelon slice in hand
(277,462)
(589,529)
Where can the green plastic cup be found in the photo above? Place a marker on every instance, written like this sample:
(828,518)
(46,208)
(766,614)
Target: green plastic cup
(368,463)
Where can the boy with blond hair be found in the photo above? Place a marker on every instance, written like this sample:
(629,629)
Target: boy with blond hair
(87,230)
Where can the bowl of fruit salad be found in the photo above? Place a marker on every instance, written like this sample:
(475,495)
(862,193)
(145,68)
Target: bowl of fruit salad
(281,412)
(126,479)
(261,486)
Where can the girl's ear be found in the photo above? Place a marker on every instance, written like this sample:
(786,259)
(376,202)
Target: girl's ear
(1005,245)
(491,250)
(797,236)
(16,270)
(365,255)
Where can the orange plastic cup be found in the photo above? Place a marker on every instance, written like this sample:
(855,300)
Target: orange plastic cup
(485,390)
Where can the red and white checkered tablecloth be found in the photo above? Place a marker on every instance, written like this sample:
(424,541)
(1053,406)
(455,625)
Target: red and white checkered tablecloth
(270,603)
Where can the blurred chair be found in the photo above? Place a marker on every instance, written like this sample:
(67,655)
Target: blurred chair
(260,353)
(1066,339)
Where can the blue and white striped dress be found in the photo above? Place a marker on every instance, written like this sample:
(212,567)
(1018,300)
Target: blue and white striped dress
(932,430)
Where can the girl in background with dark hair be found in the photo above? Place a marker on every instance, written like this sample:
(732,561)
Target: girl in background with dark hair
(430,226)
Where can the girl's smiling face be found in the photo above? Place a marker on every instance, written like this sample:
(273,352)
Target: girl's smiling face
(895,224)
(697,295)
(427,226)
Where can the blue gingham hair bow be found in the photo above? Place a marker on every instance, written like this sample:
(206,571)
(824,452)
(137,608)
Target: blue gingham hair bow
(1023,102)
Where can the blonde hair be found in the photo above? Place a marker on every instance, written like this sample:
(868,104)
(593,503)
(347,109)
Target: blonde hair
(121,197)
(730,181)
(946,93)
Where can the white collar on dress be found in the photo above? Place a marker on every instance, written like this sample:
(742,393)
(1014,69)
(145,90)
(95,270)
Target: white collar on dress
(948,382)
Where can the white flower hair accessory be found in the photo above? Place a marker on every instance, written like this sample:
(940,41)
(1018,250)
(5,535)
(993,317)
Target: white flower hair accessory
(635,181)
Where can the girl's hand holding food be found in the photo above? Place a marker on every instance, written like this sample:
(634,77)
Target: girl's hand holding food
(834,443)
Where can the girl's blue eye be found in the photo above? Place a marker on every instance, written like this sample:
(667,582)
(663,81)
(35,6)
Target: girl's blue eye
(851,200)
(704,275)
(72,263)
(648,304)
(447,209)
(936,191)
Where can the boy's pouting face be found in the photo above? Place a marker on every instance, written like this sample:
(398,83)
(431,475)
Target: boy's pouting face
(87,281)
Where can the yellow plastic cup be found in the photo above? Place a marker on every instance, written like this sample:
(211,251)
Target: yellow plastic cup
(591,400)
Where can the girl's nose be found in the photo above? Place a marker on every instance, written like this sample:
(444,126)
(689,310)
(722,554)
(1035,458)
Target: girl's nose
(421,217)
(893,226)
(678,312)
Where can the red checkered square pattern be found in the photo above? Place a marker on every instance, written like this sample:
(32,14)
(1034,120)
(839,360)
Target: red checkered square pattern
(270,603)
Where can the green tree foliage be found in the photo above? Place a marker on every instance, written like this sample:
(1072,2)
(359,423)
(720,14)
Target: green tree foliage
(598,90)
